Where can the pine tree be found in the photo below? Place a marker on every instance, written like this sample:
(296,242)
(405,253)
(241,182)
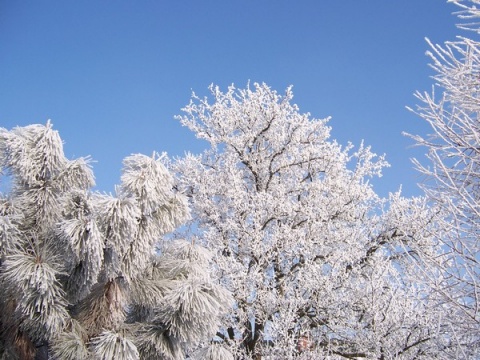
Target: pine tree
(86,274)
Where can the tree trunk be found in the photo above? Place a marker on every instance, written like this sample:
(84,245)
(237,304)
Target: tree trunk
(251,337)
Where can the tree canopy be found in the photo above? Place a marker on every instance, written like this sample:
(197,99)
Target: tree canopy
(452,169)
(79,270)
(318,263)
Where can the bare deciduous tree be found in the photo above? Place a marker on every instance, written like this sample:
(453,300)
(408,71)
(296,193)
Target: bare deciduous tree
(452,175)
(319,265)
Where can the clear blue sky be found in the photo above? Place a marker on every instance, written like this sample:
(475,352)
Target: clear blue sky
(111,75)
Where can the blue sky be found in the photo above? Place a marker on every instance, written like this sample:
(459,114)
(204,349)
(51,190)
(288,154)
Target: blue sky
(111,75)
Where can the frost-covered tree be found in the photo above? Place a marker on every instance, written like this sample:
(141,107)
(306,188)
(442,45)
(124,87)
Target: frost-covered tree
(319,265)
(453,169)
(80,272)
